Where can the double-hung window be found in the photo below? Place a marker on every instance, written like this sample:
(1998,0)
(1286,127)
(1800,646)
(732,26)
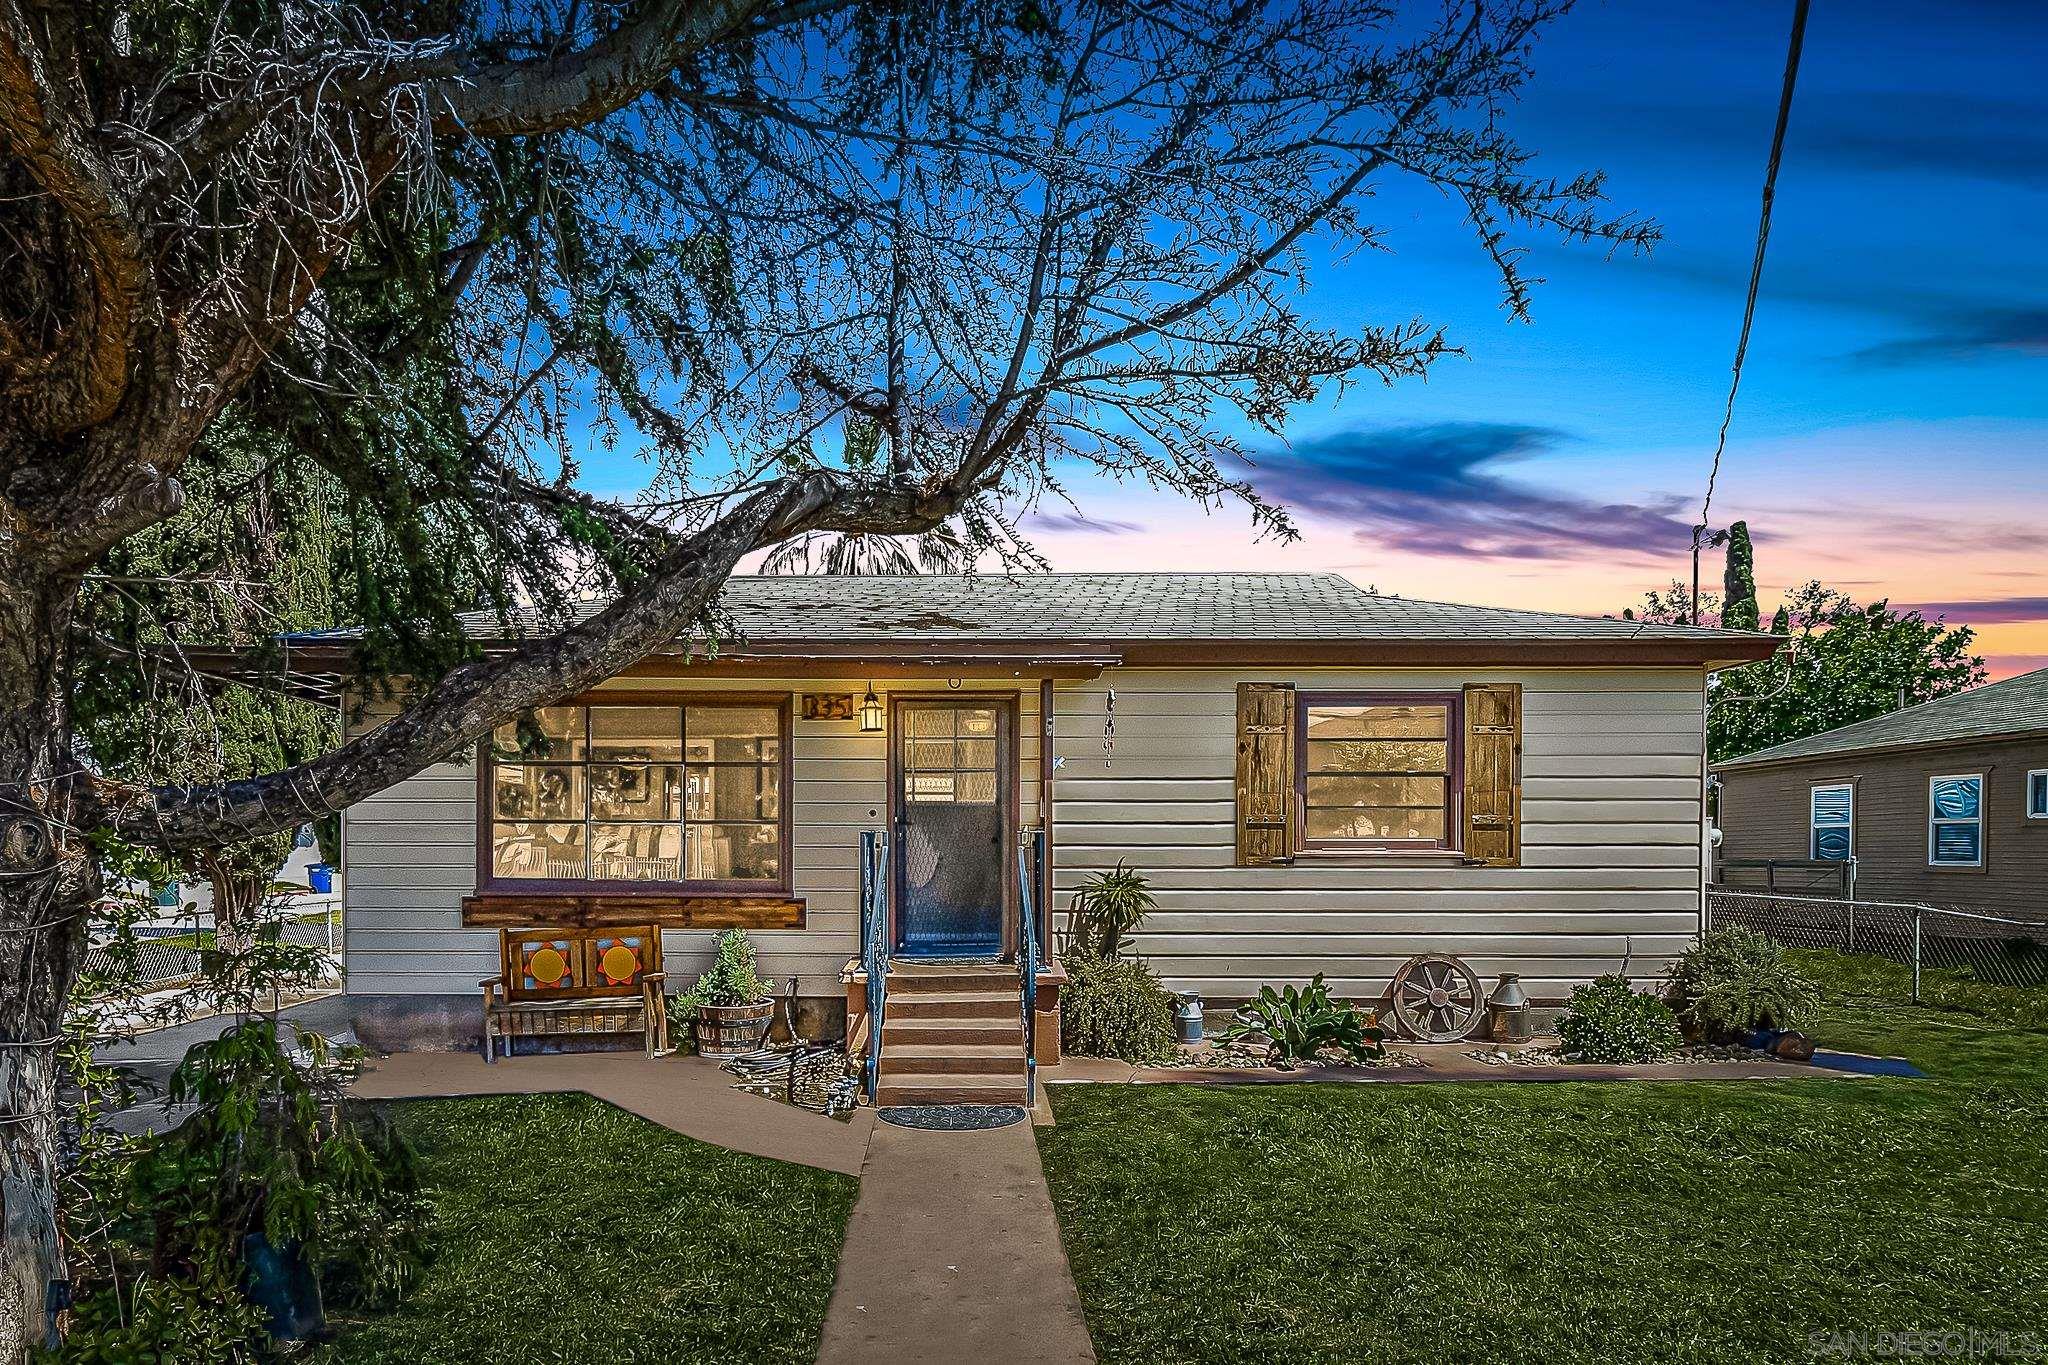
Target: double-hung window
(685,796)
(1374,769)
(2037,794)
(1831,822)
(1955,821)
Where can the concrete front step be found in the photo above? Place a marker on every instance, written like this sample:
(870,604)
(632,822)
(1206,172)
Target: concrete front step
(915,1033)
(925,980)
(954,1059)
(951,1005)
(914,1089)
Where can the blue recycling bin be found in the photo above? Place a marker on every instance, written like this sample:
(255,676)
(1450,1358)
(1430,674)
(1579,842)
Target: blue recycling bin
(320,877)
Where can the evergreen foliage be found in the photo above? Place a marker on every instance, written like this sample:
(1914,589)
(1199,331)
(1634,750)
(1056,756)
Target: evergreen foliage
(1734,980)
(1847,661)
(1115,1007)
(1611,1021)
(1738,581)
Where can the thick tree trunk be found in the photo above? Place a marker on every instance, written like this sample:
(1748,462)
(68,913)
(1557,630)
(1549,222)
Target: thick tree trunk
(236,899)
(49,882)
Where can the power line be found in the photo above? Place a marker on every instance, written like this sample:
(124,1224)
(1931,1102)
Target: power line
(1756,275)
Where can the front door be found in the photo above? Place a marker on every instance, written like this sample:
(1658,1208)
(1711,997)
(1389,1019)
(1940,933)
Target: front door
(953,797)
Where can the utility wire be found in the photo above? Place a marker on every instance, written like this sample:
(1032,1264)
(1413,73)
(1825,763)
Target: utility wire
(1756,275)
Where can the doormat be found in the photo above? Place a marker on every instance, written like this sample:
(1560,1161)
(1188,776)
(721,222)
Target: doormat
(952,1118)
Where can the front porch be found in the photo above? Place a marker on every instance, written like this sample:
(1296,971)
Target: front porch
(954,1032)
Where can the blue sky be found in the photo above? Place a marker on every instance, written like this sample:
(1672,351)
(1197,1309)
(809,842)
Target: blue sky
(1894,416)
(1891,430)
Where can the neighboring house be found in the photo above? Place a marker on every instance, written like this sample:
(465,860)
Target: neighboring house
(1314,779)
(1945,802)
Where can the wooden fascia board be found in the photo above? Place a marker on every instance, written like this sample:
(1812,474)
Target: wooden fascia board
(1086,658)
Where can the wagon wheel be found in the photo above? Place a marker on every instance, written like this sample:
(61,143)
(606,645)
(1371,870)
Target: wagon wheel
(1437,998)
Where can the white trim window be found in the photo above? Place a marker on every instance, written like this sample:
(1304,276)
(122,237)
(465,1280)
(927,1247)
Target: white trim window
(2037,794)
(1831,822)
(1955,821)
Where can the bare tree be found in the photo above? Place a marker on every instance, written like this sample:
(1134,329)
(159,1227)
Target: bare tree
(833,267)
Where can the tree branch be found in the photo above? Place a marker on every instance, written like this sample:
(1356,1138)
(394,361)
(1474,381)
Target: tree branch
(82,381)
(464,705)
(546,95)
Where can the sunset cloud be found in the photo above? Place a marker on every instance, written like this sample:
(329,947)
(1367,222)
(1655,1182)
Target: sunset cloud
(1984,611)
(2003,333)
(1440,489)
(1073,521)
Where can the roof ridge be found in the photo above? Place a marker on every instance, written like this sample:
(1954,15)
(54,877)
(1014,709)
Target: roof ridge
(1810,746)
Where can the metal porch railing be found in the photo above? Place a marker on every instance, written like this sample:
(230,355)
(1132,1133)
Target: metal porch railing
(1030,863)
(874,937)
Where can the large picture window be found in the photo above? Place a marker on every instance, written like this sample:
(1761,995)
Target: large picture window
(1955,821)
(687,795)
(1374,770)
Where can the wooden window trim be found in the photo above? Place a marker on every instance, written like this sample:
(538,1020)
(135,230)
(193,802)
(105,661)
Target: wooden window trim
(2027,795)
(1452,845)
(1982,823)
(770,911)
(491,886)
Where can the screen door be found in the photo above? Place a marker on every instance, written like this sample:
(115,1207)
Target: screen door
(951,814)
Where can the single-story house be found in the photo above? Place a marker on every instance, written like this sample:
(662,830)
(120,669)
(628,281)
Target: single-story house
(1314,778)
(1943,803)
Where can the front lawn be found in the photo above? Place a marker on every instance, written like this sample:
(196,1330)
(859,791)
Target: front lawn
(569,1230)
(1574,1221)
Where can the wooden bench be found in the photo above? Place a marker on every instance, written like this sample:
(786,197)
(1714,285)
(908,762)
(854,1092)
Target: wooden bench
(557,981)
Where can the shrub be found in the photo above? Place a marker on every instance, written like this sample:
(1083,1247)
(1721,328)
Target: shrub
(1611,1021)
(273,1160)
(1115,1008)
(734,978)
(1736,979)
(1108,906)
(1301,1023)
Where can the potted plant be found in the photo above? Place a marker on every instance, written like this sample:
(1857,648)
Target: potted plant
(729,1007)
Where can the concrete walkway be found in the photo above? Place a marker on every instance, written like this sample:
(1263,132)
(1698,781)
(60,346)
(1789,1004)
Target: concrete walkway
(953,1249)
(954,1254)
(688,1095)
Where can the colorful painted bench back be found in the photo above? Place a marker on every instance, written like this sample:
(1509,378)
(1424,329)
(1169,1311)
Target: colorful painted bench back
(577,964)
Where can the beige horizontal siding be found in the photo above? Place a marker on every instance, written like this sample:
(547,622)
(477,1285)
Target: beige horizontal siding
(411,854)
(1609,875)
(1611,836)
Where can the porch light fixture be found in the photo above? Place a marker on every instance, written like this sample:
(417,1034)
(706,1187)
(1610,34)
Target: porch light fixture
(870,713)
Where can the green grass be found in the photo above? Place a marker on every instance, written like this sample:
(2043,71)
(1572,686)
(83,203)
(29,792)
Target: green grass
(569,1230)
(1691,1221)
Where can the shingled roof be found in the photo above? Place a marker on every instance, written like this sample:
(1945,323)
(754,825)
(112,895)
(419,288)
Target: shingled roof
(2016,706)
(1100,619)
(946,609)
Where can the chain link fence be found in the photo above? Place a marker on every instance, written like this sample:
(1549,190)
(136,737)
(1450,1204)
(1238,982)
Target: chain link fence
(162,956)
(2000,949)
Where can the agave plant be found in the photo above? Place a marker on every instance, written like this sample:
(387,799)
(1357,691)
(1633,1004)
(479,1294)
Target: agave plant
(1300,1023)
(1106,908)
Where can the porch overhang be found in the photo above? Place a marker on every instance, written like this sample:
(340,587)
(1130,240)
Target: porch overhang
(321,672)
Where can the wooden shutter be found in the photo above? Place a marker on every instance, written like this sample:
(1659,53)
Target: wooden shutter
(1493,776)
(1265,773)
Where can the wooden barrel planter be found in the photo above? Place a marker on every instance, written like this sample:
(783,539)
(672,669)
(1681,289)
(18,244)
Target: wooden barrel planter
(729,1030)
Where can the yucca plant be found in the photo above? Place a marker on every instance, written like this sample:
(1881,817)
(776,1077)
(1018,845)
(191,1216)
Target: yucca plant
(1107,907)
